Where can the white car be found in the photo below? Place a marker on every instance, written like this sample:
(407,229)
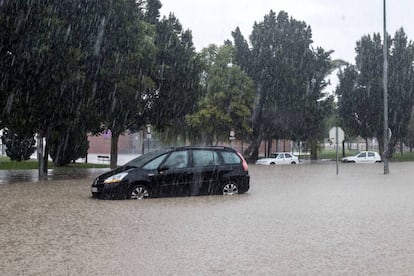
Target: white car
(363,157)
(278,158)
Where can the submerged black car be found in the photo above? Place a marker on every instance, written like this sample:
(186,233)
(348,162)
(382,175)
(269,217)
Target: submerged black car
(180,171)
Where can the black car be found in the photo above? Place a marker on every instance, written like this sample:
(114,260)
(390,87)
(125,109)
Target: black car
(179,171)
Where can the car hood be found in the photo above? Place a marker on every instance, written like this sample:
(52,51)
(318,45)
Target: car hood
(349,158)
(116,171)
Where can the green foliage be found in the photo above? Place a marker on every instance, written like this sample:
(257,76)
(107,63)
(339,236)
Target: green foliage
(92,65)
(360,91)
(177,77)
(44,50)
(18,147)
(289,78)
(409,138)
(65,149)
(401,81)
(124,52)
(227,101)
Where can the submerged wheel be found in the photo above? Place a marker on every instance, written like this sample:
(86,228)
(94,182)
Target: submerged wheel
(138,192)
(230,188)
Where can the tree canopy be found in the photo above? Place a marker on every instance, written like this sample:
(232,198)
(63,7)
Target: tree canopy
(227,99)
(289,76)
(360,90)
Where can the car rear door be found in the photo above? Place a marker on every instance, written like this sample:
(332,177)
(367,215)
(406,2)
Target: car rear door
(204,171)
(288,158)
(371,157)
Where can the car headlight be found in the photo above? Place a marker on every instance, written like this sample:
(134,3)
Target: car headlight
(115,178)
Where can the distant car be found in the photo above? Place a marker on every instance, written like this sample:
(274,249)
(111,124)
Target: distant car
(181,171)
(363,157)
(279,158)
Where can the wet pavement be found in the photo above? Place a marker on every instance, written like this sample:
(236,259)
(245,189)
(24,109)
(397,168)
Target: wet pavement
(13,176)
(295,220)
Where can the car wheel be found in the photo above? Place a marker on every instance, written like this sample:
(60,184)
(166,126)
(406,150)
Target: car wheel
(293,163)
(230,188)
(138,192)
(272,163)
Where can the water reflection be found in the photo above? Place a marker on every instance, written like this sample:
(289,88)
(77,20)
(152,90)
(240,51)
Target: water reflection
(13,176)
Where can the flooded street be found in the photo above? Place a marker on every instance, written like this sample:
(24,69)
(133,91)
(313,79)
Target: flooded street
(295,220)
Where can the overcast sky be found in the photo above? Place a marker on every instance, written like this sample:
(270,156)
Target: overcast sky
(336,24)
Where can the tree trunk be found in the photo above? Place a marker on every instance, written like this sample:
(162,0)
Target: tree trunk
(46,157)
(314,150)
(366,143)
(269,147)
(40,155)
(343,148)
(252,151)
(114,150)
(381,147)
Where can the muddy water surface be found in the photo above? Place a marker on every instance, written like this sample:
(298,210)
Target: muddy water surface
(300,220)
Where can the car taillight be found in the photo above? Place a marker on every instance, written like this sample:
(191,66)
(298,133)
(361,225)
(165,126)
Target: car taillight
(244,163)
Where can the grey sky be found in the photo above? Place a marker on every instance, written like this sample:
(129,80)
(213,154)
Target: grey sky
(336,24)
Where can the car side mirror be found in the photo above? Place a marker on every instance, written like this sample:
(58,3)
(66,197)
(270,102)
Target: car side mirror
(163,168)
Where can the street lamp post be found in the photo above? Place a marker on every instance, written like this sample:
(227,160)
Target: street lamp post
(385,84)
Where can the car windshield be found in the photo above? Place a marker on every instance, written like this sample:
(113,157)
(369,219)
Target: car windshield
(143,159)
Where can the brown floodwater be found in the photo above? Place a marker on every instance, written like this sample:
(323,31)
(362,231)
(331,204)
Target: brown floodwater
(295,220)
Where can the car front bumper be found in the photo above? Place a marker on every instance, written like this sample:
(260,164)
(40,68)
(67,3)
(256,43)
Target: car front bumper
(108,191)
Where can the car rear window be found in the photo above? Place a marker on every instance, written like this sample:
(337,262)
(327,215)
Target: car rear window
(202,158)
(230,157)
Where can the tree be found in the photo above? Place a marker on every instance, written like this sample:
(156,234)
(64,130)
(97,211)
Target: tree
(67,148)
(401,81)
(289,78)
(409,139)
(227,101)
(41,52)
(349,110)
(124,53)
(176,75)
(361,90)
(18,147)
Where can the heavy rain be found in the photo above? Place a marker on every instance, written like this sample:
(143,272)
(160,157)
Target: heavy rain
(86,86)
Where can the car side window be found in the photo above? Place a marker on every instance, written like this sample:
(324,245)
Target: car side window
(153,164)
(202,158)
(287,155)
(177,160)
(361,155)
(281,156)
(230,157)
(371,154)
